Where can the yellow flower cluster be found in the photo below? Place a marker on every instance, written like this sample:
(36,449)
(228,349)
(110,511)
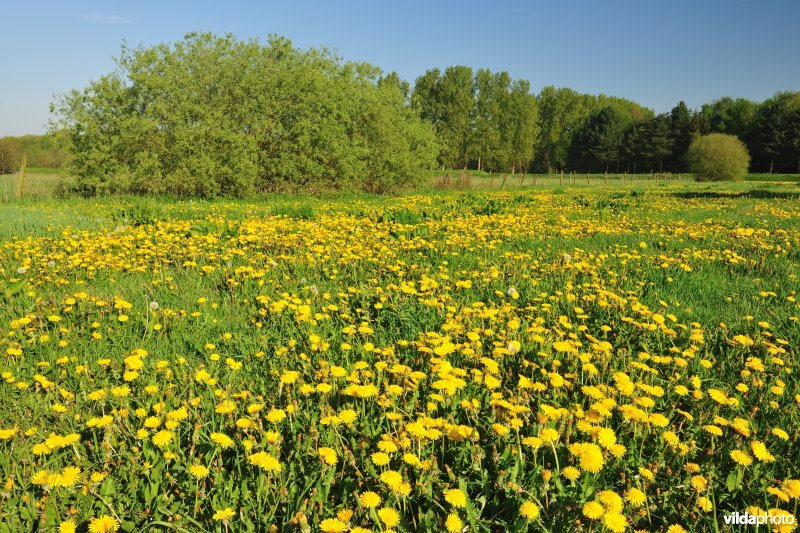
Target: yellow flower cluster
(588,360)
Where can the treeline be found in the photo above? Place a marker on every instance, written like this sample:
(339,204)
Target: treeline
(488,121)
(212,116)
(42,151)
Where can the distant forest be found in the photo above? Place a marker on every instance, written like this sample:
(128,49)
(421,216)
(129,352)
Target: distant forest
(262,115)
(42,151)
(488,121)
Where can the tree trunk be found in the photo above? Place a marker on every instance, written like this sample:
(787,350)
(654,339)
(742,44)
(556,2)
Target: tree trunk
(771,164)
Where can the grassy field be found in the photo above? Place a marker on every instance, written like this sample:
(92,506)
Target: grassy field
(41,183)
(548,358)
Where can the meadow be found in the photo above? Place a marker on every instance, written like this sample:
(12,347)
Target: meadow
(551,358)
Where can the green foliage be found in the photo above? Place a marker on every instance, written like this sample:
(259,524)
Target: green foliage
(10,157)
(718,157)
(43,151)
(483,118)
(210,116)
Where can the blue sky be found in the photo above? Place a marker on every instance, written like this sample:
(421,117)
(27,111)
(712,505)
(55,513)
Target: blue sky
(653,52)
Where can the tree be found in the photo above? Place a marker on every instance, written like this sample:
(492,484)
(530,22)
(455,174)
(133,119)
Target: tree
(10,156)
(522,121)
(215,115)
(393,79)
(681,132)
(486,133)
(562,112)
(718,157)
(777,133)
(447,102)
(599,142)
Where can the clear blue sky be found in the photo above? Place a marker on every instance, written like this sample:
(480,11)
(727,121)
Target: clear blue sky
(655,52)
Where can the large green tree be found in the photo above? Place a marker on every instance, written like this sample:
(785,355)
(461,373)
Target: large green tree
(777,133)
(562,112)
(598,144)
(522,125)
(213,115)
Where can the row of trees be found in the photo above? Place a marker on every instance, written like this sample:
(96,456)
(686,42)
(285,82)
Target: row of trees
(42,151)
(215,115)
(487,121)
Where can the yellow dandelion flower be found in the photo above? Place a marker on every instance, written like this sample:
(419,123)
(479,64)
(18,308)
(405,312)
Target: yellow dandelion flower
(453,524)
(615,522)
(163,438)
(571,473)
(741,458)
(455,497)
(67,526)
(223,514)
(198,471)
(529,510)
(369,499)
(593,510)
(333,525)
(388,516)
(328,455)
(103,524)
(221,440)
(636,497)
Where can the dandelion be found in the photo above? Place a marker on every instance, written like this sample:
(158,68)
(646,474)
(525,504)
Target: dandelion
(453,524)
(221,440)
(455,497)
(328,456)
(636,497)
(67,526)
(388,516)
(369,499)
(265,461)
(571,473)
(198,471)
(163,438)
(741,458)
(615,522)
(529,510)
(333,525)
(103,524)
(223,514)
(593,510)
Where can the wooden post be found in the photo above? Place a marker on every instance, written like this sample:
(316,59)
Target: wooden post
(561,179)
(21,182)
(587,179)
(606,180)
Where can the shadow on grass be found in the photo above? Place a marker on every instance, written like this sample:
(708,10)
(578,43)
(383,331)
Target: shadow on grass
(755,193)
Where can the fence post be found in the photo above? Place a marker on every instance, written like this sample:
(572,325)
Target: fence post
(21,182)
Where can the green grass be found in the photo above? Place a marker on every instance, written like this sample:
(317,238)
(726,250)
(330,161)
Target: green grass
(675,248)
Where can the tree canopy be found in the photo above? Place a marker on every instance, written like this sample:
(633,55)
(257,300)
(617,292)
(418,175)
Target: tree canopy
(215,115)
(212,115)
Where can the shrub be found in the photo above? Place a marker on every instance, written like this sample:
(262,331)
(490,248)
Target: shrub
(216,116)
(718,157)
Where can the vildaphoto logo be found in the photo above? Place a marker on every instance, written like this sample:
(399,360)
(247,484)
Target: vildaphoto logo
(762,519)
